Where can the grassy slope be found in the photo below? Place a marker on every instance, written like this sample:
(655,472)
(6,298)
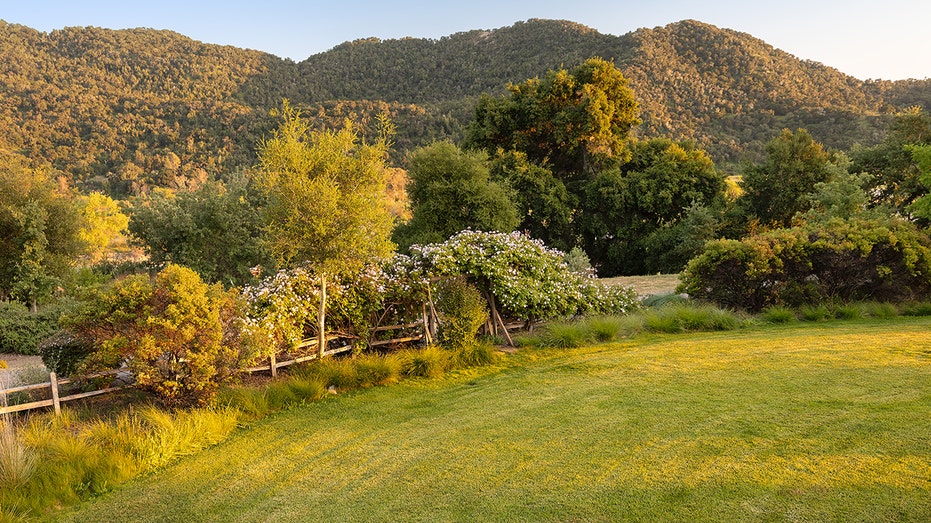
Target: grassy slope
(798,423)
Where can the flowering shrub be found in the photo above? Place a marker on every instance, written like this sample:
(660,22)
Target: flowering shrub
(283,307)
(529,280)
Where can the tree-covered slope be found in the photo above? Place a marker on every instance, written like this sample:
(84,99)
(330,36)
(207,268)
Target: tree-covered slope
(126,109)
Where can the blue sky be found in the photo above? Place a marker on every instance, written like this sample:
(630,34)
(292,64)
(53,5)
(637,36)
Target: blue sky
(866,39)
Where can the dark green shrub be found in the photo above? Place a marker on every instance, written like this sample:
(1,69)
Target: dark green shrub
(62,353)
(884,310)
(280,395)
(836,260)
(849,311)
(563,335)
(307,390)
(21,331)
(462,311)
(917,308)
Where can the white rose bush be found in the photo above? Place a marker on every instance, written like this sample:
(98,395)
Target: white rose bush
(527,280)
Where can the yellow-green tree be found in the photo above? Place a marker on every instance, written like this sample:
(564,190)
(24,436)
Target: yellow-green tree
(327,204)
(104,226)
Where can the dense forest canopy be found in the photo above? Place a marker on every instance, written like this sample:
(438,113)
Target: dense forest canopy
(125,110)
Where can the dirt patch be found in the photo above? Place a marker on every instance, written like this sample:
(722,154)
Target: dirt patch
(18,361)
(651,285)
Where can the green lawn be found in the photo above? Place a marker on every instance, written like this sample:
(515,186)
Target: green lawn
(805,422)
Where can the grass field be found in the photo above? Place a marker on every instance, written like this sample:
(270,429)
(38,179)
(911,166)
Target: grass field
(802,422)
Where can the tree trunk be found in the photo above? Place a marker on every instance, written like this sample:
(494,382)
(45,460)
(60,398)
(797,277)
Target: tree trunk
(321,317)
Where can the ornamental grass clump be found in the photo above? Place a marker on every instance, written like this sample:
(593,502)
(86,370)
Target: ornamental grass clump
(778,314)
(377,369)
(563,335)
(429,362)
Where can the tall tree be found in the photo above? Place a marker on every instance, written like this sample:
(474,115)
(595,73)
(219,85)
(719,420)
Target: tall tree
(451,190)
(545,207)
(215,229)
(574,123)
(895,177)
(777,189)
(624,207)
(327,205)
(38,230)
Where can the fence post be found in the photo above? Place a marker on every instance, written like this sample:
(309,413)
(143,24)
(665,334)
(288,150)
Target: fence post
(53,379)
(274,365)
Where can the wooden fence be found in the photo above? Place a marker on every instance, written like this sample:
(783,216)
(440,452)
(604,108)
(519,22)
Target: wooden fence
(273,365)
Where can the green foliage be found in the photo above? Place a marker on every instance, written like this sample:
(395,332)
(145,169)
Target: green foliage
(776,190)
(688,318)
(326,196)
(838,260)
(815,312)
(574,122)
(39,227)
(21,331)
(377,369)
(475,355)
(778,314)
(451,190)
(216,230)
(180,337)
(462,311)
(921,155)
(626,211)
(429,362)
(843,197)
(895,177)
(527,280)
(563,335)
(545,206)
(62,353)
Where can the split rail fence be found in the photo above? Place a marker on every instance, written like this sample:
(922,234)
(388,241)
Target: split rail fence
(123,379)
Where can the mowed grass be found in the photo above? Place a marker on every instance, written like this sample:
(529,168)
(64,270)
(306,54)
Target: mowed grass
(800,422)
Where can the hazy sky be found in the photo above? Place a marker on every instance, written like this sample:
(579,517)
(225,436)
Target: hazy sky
(867,39)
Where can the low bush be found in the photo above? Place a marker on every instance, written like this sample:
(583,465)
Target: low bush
(849,311)
(21,331)
(884,310)
(462,311)
(563,335)
(846,260)
(917,308)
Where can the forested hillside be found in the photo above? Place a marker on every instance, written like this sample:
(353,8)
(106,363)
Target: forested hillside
(122,110)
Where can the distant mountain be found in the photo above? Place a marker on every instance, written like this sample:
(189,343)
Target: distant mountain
(124,110)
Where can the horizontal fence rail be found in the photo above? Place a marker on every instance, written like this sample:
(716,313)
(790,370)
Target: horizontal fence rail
(273,365)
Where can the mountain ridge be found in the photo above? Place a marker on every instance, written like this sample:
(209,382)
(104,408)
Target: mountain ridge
(122,110)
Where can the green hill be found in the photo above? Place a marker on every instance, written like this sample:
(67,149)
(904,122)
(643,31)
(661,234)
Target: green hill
(121,110)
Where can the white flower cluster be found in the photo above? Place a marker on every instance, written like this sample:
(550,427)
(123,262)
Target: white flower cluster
(528,279)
